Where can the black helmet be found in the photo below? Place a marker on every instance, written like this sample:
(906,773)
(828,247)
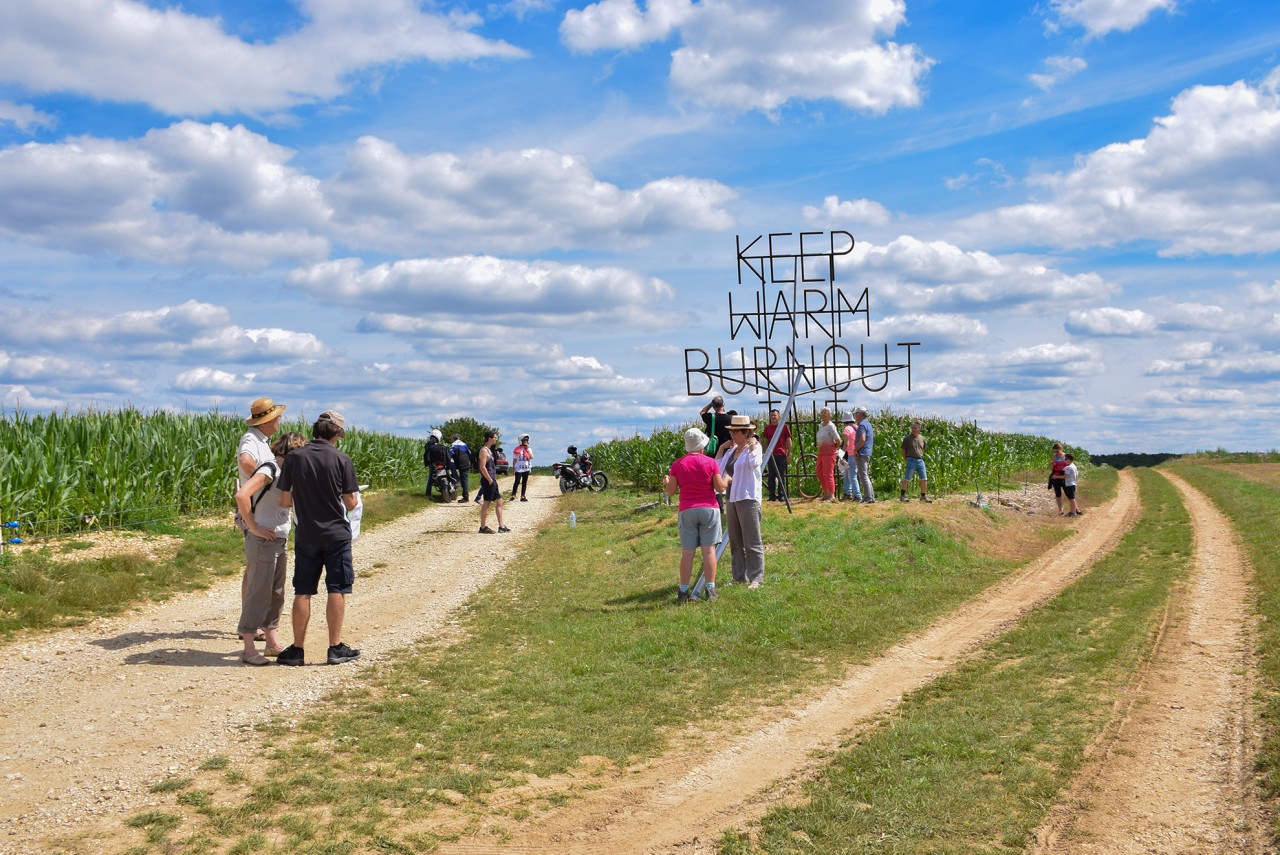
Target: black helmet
(573,449)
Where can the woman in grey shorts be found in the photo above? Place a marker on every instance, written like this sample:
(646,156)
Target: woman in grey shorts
(696,477)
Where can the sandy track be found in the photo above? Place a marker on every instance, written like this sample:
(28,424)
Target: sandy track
(677,804)
(92,716)
(1173,773)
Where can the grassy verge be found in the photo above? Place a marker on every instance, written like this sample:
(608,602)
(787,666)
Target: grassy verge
(1253,507)
(576,651)
(973,762)
(46,588)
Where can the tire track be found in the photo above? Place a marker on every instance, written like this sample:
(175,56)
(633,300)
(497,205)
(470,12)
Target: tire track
(677,804)
(1173,772)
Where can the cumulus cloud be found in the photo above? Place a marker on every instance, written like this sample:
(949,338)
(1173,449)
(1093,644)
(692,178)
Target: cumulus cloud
(1057,69)
(24,117)
(851,212)
(940,276)
(1099,17)
(183,64)
(526,199)
(758,55)
(213,381)
(935,331)
(198,193)
(1109,321)
(1198,316)
(50,372)
(530,292)
(1042,366)
(190,329)
(1202,181)
(189,193)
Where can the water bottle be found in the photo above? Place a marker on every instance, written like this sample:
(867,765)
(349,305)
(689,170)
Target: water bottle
(573,520)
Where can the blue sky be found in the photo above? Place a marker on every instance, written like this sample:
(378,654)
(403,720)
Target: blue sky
(524,211)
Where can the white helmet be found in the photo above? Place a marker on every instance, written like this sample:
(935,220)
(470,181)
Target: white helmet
(436,433)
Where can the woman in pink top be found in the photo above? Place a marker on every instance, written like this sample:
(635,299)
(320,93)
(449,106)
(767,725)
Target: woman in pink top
(697,479)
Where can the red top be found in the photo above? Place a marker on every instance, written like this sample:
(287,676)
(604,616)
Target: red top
(779,450)
(693,473)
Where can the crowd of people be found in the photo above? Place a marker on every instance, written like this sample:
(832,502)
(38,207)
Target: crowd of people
(723,472)
(725,467)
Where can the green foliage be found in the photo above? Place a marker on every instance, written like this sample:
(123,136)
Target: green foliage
(63,472)
(468,429)
(960,456)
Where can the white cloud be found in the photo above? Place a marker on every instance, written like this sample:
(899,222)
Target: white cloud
(213,381)
(988,172)
(1198,316)
(189,193)
(1059,68)
(1202,181)
(1099,17)
(24,117)
(532,198)
(531,292)
(182,64)
(757,55)
(1109,321)
(936,275)
(849,212)
(1042,366)
(935,331)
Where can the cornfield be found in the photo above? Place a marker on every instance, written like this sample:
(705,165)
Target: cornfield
(62,473)
(960,457)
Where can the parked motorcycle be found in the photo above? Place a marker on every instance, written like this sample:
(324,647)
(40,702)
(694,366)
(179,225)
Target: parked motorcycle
(578,474)
(443,479)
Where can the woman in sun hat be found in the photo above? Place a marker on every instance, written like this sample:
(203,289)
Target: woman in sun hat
(742,466)
(696,477)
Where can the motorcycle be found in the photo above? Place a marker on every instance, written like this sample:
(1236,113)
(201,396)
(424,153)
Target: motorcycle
(580,474)
(443,479)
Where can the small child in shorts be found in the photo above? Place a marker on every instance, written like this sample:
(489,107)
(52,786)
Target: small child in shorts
(1070,476)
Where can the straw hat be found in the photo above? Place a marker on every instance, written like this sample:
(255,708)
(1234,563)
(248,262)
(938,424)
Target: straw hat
(742,423)
(262,411)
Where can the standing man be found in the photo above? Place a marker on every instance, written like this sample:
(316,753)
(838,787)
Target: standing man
(776,469)
(851,491)
(460,454)
(434,455)
(716,418)
(255,445)
(319,482)
(489,494)
(864,444)
(913,453)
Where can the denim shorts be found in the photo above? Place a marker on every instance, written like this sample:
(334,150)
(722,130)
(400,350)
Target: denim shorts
(699,527)
(915,464)
(333,557)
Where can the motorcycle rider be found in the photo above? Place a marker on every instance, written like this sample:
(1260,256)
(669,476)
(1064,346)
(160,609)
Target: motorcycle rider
(460,454)
(434,455)
(580,463)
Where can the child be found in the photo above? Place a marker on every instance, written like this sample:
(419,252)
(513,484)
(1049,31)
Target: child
(1070,475)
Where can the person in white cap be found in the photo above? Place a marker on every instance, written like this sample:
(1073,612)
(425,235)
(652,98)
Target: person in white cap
(696,477)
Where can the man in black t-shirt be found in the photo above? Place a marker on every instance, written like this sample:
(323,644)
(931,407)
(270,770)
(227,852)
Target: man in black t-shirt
(716,418)
(319,482)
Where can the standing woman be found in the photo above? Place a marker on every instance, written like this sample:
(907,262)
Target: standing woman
(741,466)
(522,465)
(697,479)
(828,440)
(266,537)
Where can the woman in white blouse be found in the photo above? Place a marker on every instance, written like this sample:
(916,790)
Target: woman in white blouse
(742,466)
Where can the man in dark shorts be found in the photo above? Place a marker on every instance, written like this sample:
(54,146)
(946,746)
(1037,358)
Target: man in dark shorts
(319,482)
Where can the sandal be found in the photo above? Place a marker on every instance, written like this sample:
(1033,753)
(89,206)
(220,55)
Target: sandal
(255,659)
(273,652)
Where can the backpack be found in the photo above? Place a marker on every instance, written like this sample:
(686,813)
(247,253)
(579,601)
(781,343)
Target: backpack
(712,442)
(257,497)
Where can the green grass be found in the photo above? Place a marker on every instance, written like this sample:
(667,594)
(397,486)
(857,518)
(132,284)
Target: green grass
(972,762)
(38,592)
(577,651)
(1253,508)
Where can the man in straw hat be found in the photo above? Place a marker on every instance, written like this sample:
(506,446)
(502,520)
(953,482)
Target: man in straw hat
(255,445)
(319,482)
(253,451)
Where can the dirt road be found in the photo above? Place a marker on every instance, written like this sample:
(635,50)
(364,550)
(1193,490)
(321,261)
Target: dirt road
(92,716)
(1174,772)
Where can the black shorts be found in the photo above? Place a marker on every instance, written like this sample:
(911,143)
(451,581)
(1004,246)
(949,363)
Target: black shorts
(1057,486)
(333,557)
(1070,490)
(489,491)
